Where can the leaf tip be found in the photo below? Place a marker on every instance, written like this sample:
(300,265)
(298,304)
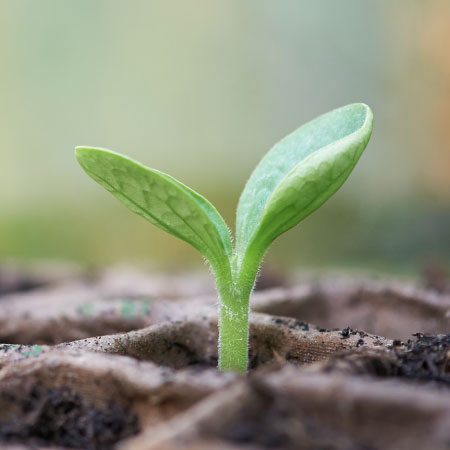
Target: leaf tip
(81,152)
(85,153)
(368,118)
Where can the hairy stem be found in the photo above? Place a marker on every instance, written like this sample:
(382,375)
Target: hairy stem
(233,331)
(234,312)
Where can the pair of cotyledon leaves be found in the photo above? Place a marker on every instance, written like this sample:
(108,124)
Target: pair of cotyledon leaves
(294,178)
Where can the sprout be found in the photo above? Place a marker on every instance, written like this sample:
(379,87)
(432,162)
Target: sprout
(294,179)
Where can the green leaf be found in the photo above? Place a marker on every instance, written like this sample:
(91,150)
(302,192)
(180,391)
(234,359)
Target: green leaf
(299,174)
(161,199)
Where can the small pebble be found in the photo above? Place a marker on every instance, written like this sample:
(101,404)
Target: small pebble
(345,332)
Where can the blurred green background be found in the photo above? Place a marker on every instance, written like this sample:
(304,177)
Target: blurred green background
(201,90)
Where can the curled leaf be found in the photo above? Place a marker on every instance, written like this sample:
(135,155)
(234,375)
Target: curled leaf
(300,173)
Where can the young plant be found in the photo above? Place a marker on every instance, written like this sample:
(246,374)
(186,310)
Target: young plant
(294,178)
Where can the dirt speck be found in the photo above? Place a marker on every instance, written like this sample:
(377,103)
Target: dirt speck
(345,332)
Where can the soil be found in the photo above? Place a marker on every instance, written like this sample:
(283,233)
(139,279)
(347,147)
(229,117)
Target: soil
(427,358)
(126,359)
(277,426)
(18,276)
(424,358)
(61,417)
(274,419)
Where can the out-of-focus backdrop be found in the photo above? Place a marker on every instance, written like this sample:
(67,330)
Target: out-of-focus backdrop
(201,90)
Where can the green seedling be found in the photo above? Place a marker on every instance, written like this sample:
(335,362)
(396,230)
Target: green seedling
(294,178)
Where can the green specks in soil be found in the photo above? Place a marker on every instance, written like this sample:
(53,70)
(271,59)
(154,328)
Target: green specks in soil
(125,308)
(23,350)
(86,309)
(132,308)
(145,307)
(32,350)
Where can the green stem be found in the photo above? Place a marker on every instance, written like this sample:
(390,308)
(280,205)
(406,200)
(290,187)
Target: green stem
(234,313)
(233,330)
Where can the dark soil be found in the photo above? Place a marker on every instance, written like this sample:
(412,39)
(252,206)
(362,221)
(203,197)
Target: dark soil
(60,417)
(427,358)
(424,359)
